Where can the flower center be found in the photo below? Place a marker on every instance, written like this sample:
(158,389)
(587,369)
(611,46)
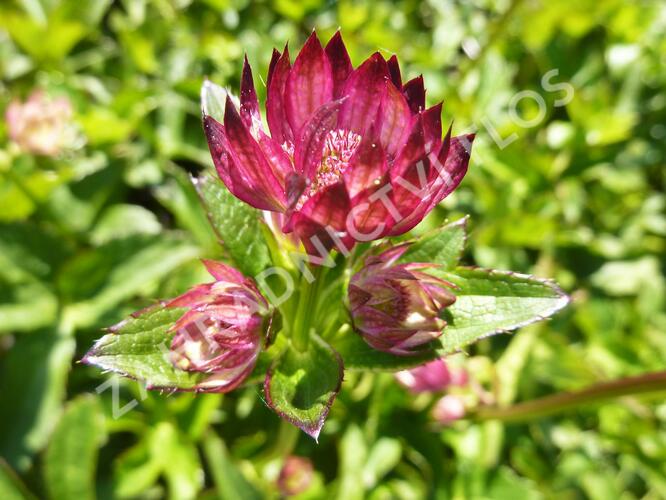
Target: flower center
(339,146)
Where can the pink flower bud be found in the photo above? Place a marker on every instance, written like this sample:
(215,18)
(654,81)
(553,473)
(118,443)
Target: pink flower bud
(41,125)
(221,333)
(295,476)
(448,409)
(430,377)
(396,307)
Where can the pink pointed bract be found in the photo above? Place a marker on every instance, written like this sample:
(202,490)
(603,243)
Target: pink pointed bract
(352,155)
(220,334)
(397,307)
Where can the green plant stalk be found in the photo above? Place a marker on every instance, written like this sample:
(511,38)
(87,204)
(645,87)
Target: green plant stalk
(556,403)
(300,334)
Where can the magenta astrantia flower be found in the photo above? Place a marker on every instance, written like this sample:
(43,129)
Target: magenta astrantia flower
(352,155)
(221,333)
(397,307)
(433,376)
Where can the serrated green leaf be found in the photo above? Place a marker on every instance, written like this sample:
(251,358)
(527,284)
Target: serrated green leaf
(301,386)
(236,223)
(357,355)
(443,246)
(71,457)
(138,348)
(490,302)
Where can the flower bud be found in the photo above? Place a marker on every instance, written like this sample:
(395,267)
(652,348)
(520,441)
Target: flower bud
(41,125)
(295,476)
(221,333)
(396,307)
(448,409)
(430,377)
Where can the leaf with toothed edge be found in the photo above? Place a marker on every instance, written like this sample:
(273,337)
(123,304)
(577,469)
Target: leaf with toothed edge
(138,348)
(443,246)
(490,302)
(237,224)
(301,386)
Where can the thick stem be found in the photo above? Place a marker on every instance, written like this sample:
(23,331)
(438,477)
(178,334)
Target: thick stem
(549,405)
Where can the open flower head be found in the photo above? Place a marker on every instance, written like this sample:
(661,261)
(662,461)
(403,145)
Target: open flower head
(352,153)
(397,307)
(220,334)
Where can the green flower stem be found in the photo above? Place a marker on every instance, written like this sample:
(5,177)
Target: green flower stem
(556,403)
(307,300)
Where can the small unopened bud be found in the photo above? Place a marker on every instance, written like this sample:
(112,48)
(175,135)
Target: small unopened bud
(397,307)
(448,409)
(430,377)
(295,476)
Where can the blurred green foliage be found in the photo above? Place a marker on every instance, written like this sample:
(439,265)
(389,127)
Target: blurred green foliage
(91,235)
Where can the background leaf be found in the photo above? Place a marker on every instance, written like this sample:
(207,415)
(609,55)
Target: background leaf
(229,481)
(32,387)
(71,458)
(118,270)
(11,487)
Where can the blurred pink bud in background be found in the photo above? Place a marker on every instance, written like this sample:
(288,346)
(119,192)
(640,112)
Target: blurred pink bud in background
(431,377)
(41,125)
(295,476)
(448,409)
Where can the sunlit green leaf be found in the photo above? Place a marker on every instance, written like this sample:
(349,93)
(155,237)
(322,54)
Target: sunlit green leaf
(490,302)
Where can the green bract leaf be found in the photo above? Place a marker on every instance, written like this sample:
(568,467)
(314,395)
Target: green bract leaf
(490,302)
(357,355)
(71,457)
(301,386)
(236,223)
(443,246)
(138,348)
(213,98)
